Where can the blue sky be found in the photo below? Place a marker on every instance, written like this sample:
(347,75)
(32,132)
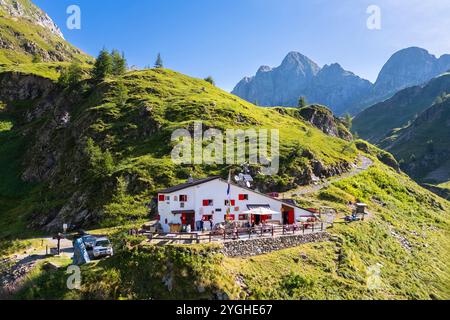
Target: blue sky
(229,39)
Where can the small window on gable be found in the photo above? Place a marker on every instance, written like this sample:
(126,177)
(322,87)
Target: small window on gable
(243,197)
(167,198)
(208,203)
(183,198)
(231,203)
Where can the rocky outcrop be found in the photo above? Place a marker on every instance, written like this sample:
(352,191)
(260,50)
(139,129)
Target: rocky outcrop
(254,247)
(16,86)
(25,9)
(322,118)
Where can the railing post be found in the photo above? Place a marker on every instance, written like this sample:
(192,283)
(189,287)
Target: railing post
(303,227)
(273,231)
(313,227)
(210,237)
(322,227)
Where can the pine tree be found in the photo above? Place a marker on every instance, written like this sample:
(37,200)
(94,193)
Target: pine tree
(159,62)
(302,102)
(210,80)
(103,66)
(71,75)
(348,121)
(119,63)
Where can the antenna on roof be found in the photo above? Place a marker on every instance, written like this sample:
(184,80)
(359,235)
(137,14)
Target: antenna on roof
(244,179)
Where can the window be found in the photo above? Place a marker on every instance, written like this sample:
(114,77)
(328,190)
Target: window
(208,203)
(243,217)
(181,204)
(219,210)
(207,217)
(183,198)
(230,217)
(243,197)
(227,203)
(175,198)
(161,197)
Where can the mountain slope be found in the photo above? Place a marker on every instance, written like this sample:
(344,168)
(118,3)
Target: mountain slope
(378,121)
(299,76)
(424,146)
(28,34)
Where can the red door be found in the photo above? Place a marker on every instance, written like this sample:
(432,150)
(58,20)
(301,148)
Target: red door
(291,217)
(188,219)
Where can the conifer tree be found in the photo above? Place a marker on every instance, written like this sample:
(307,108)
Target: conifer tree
(159,62)
(103,66)
(119,63)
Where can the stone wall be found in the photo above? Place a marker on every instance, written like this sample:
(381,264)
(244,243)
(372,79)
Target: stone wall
(254,247)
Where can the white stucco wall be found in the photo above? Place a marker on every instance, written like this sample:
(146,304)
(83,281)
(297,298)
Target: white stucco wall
(216,190)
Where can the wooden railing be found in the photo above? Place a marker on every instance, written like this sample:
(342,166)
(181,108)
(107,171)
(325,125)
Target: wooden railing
(231,234)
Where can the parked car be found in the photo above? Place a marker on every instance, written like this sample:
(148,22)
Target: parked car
(102,248)
(89,241)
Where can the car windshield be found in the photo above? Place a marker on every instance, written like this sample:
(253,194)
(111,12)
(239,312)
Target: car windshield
(89,239)
(102,243)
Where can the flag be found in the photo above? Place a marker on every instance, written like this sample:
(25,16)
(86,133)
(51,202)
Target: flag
(229,185)
(228,196)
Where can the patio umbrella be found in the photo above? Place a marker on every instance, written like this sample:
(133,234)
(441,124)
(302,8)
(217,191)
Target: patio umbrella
(261,211)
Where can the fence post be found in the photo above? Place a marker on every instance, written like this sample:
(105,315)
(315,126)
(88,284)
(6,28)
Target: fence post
(313,226)
(303,227)
(273,231)
(322,227)
(210,237)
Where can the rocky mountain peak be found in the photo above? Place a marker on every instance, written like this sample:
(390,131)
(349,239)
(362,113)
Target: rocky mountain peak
(25,9)
(296,60)
(409,67)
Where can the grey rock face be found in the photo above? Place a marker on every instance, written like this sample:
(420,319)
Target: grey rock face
(409,67)
(299,76)
(335,87)
(27,10)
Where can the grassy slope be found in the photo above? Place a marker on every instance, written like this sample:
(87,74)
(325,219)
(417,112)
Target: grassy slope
(332,270)
(136,132)
(423,147)
(19,33)
(407,234)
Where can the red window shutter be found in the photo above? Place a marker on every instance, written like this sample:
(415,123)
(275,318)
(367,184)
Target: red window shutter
(233,203)
(205,203)
(161,197)
(241,197)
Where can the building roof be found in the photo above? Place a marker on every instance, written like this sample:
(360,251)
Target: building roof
(188,185)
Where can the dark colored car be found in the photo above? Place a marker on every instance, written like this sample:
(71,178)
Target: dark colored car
(89,241)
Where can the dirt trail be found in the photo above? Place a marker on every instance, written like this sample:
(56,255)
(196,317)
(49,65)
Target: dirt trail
(364,164)
(15,268)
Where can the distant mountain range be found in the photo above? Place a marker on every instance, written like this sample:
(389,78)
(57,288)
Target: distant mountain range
(341,90)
